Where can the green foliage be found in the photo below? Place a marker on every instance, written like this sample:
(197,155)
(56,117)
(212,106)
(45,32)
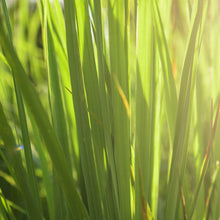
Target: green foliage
(105,110)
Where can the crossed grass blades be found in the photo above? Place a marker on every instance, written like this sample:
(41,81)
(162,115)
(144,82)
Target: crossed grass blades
(109,110)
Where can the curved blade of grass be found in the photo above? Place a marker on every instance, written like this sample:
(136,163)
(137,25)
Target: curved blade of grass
(146,111)
(205,161)
(58,22)
(118,43)
(169,83)
(82,121)
(51,141)
(91,85)
(25,136)
(182,128)
(54,14)
(56,101)
(104,80)
(57,110)
(156,161)
(90,75)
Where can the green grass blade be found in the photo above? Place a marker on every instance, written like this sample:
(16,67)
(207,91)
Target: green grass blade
(82,120)
(181,137)
(5,208)
(210,197)
(90,75)
(117,96)
(205,162)
(19,171)
(57,106)
(91,85)
(24,129)
(51,141)
(169,83)
(57,111)
(56,100)
(27,150)
(118,39)
(2,210)
(105,111)
(45,171)
(59,42)
(146,89)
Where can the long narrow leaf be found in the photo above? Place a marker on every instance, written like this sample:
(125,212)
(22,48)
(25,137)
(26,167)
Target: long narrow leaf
(51,141)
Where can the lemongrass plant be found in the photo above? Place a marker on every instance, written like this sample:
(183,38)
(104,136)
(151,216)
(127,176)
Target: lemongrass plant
(109,110)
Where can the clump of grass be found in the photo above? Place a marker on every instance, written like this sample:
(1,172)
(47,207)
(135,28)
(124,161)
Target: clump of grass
(111,110)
